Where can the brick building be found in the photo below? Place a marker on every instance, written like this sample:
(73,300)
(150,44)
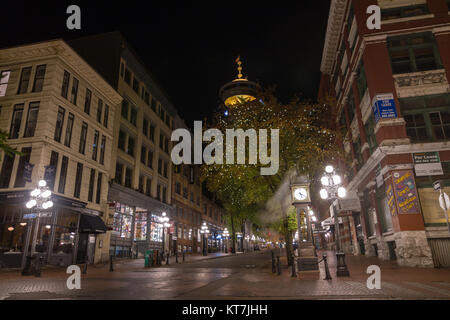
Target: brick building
(393,101)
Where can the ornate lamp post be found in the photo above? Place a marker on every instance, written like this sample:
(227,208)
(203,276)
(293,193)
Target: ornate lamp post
(333,189)
(226,235)
(205,231)
(164,222)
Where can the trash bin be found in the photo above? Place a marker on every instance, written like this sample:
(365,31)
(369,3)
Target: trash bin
(147,256)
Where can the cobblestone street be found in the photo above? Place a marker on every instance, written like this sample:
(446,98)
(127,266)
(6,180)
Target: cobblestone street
(217,277)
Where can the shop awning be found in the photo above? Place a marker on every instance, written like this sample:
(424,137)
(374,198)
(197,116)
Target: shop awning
(92,224)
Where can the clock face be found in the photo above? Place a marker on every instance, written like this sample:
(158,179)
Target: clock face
(300,194)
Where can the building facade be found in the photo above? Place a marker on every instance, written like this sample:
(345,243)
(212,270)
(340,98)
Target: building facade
(59,112)
(141,170)
(393,100)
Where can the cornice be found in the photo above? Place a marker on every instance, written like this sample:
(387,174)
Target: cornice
(335,22)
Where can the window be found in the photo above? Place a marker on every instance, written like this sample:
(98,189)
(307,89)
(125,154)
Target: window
(141,184)
(133,116)
(161,142)
(361,81)
(135,85)
(52,170)
(351,107)
(185,192)
(153,105)
(127,77)
(178,188)
(68,138)
(105,116)
(158,192)
(83,138)
(39,78)
(78,180)
(164,194)
(95,146)
(165,169)
(73,97)
(87,101)
(4,79)
(152,132)
(404,12)
(23,160)
(143,155)
(99,187)
(427,117)
(122,69)
(414,53)
(370,133)
(63,174)
(124,110)
(32,116)
(24,80)
(149,186)
(119,170)
(59,124)
(147,98)
(99,110)
(128,177)
(91,185)
(166,145)
(159,166)
(5,175)
(16,121)
(145,127)
(131,144)
(192,197)
(102,150)
(150,159)
(122,139)
(65,84)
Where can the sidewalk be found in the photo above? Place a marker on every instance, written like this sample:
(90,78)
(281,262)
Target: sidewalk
(119,265)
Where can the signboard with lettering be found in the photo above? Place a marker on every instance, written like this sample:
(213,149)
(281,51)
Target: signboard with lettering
(383,106)
(405,192)
(427,164)
(391,200)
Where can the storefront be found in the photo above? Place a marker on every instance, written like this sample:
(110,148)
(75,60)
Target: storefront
(63,234)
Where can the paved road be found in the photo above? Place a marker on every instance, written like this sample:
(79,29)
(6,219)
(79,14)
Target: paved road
(244,276)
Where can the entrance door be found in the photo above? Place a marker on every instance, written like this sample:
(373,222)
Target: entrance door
(82,247)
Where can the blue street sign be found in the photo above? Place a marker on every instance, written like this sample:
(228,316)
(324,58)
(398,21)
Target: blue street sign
(29,216)
(383,107)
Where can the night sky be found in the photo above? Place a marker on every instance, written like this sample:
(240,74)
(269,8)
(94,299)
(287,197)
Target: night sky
(191,47)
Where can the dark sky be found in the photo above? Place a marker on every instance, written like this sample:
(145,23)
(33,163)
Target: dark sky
(191,46)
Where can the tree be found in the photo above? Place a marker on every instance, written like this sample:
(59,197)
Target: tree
(306,141)
(4,146)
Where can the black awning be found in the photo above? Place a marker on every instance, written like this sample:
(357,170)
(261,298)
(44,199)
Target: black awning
(92,224)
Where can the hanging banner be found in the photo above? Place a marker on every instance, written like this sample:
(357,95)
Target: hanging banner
(427,164)
(405,192)
(49,174)
(27,171)
(383,106)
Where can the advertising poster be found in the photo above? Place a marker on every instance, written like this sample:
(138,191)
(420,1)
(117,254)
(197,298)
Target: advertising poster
(383,107)
(391,199)
(405,192)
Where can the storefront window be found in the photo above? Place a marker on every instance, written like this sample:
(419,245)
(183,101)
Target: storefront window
(12,230)
(123,220)
(156,229)
(65,231)
(140,228)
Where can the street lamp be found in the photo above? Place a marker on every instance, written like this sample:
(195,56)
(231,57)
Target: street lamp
(40,200)
(226,234)
(332,189)
(205,231)
(164,222)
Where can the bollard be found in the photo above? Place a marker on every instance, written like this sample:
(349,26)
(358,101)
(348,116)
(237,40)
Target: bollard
(85,266)
(278,266)
(183,256)
(167,261)
(293,267)
(176,256)
(111,269)
(37,270)
(273,263)
(327,271)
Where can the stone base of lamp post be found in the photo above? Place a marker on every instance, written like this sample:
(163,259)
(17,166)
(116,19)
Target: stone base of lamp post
(341,268)
(307,262)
